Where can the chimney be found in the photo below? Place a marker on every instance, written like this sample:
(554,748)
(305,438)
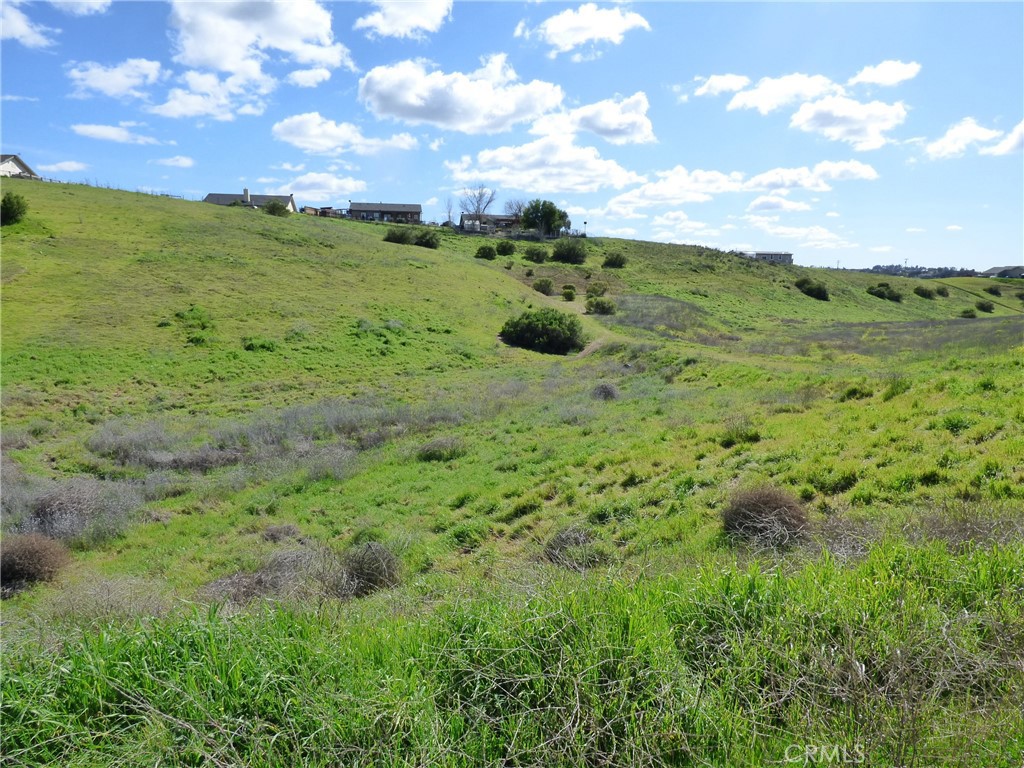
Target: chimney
(245,196)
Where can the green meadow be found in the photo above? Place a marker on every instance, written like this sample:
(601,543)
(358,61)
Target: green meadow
(310,509)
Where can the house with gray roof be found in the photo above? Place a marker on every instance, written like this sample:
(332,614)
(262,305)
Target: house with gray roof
(400,213)
(246,200)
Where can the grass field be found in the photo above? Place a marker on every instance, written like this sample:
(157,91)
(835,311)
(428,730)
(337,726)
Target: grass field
(218,412)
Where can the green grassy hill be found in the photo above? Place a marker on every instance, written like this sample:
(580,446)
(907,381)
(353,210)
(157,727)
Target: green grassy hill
(212,406)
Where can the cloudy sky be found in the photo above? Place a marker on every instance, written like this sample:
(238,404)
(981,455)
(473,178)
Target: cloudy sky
(852,134)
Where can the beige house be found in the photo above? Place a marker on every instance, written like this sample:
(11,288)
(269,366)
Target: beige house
(12,165)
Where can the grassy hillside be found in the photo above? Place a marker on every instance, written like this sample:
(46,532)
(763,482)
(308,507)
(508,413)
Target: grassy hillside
(212,406)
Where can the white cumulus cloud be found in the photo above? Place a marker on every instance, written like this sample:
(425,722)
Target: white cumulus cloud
(813,179)
(204,94)
(15,25)
(617,121)
(586,25)
(128,78)
(82,7)
(407,18)
(814,236)
(1013,142)
(776,203)
(66,166)
(771,93)
(717,84)
(320,188)
(890,72)
(311,132)
(178,161)
(843,119)
(488,100)
(121,133)
(958,138)
(551,164)
(309,78)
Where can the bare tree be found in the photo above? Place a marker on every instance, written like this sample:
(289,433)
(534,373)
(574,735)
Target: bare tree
(477,200)
(515,207)
(449,207)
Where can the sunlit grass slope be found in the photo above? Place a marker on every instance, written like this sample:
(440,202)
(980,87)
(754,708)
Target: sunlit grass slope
(226,402)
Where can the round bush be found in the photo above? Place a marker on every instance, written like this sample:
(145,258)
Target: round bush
(596,289)
(426,238)
(276,208)
(544,330)
(600,305)
(985,306)
(765,514)
(12,208)
(614,261)
(605,391)
(486,252)
(536,254)
(812,288)
(29,558)
(544,285)
(569,293)
(570,250)
(505,248)
(400,235)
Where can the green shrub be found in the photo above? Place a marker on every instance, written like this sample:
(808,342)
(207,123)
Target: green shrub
(942,291)
(536,253)
(441,449)
(968,313)
(923,292)
(600,305)
(596,289)
(544,285)
(855,392)
(29,558)
(896,385)
(766,514)
(12,208)
(738,430)
(813,288)
(486,252)
(994,290)
(885,291)
(276,208)
(985,306)
(505,248)
(258,344)
(427,238)
(400,235)
(544,330)
(569,293)
(569,250)
(614,261)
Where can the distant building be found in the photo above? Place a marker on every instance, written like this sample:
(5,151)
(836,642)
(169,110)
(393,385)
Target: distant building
(1004,272)
(12,165)
(486,222)
(775,257)
(400,213)
(246,200)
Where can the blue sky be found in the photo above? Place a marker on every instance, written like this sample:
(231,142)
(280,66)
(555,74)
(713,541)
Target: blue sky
(852,134)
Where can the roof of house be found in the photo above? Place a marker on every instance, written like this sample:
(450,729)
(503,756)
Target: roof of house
(999,272)
(392,207)
(220,198)
(19,161)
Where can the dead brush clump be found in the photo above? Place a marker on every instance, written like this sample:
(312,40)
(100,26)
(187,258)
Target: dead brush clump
(964,526)
(765,515)
(82,511)
(605,391)
(26,559)
(574,548)
(370,567)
